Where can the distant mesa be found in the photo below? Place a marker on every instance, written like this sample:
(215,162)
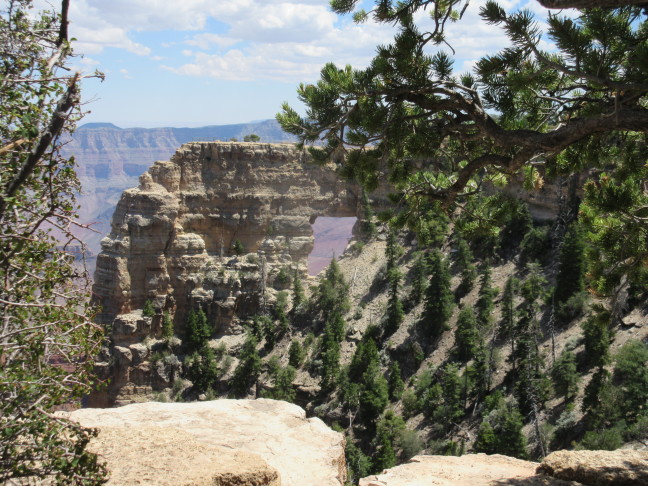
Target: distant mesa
(92,126)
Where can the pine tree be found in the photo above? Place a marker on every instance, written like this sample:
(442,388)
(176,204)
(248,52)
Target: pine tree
(167,326)
(571,271)
(466,334)
(487,293)
(511,440)
(374,395)
(463,264)
(596,333)
(486,439)
(298,291)
(452,387)
(419,278)
(396,385)
(565,376)
(198,331)
(202,369)
(438,298)
(248,369)
(296,354)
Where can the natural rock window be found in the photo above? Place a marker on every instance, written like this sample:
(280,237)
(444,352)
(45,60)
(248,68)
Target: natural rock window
(332,236)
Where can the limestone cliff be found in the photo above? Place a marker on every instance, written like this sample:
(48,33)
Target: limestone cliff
(172,242)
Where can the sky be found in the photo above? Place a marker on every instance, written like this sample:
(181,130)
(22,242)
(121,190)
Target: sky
(193,63)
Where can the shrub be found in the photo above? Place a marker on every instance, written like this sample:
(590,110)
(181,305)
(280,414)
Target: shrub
(148,310)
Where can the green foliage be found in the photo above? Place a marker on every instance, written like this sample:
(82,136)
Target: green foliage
(48,337)
(631,370)
(332,294)
(202,369)
(419,279)
(374,395)
(296,354)
(452,389)
(253,137)
(571,273)
(501,431)
(565,376)
(281,313)
(238,248)
(596,333)
(602,440)
(367,225)
(438,297)
(283,378)
(358,464)
(395,382)
(508,323)
(298,291)
(536,245)
(282,277)
(487,293)
(167,326)
(466,334)
(198,331)
(463,264)
(248,368)
(148,310)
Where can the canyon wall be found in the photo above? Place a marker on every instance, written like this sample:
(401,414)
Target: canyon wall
(173,242)
(169,234)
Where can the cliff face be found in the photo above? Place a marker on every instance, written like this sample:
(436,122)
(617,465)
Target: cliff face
(110,159)
(172,242)
(171,233)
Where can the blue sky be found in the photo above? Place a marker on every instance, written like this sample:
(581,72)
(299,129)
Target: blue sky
(212,62)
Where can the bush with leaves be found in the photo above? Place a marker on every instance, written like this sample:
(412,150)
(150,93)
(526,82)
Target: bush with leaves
(47,340)
(248,369)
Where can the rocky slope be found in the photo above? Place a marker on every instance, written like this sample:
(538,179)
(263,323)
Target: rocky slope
(222,443)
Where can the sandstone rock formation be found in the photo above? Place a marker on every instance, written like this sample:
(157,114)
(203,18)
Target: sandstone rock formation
(598,468)
(172,236)
(467,470)
(110,159)
(222,442)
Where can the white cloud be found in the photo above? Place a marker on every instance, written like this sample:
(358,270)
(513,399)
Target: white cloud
(273,39)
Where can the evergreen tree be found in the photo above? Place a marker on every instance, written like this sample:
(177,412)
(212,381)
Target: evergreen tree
(283,379)
(374,395)
(419,278)
(248,369)
(396,385)
(571,270)
(148,310)
(508,323)
(332,295)
(296,354)
(486,439)
(466,334)
(438,297)
(330,356)
(298,291)
(487,293)
(597,336)
(565,375)
(451,386)
(280,311)
(202,369)
(631,369)
(358,464)
(511,440)
(463,264)
(167,326)
(198,331)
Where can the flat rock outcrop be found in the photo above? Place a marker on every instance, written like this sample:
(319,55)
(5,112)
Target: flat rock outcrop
(467,470)
(221,442)
(598,468)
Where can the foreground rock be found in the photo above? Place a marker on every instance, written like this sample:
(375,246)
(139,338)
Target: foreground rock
(600,468)
(467,470)
(222,443)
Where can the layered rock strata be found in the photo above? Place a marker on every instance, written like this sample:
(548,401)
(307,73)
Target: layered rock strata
(222,442)
(172,237)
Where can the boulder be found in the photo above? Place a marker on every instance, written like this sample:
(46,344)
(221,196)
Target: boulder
(237,442)
(598,468)
(467,470)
